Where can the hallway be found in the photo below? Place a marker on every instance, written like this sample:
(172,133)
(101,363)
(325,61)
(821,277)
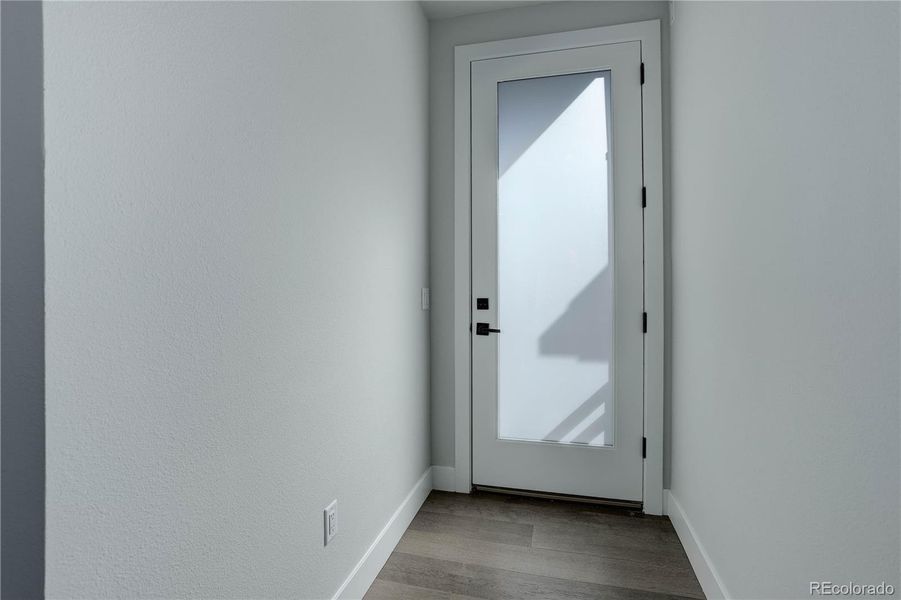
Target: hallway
(488,545)
(285,282)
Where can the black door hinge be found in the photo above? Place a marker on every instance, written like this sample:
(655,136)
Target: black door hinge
(644,447)
(641,73)
(644,322)
(644,197)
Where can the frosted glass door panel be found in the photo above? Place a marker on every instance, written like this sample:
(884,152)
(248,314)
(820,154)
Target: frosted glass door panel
(555,291)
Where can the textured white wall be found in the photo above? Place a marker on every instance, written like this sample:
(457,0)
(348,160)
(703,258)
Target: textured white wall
(785,240)
(444,35)
(236,241)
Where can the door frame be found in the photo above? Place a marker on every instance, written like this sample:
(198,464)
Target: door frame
(648,34)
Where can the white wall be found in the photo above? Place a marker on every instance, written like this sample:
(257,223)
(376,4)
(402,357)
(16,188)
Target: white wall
(444,35)
(785,239)
(236,241)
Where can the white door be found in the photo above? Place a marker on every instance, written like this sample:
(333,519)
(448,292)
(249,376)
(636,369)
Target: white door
(557,241)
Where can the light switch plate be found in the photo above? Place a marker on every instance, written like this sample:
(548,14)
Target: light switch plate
(330,521)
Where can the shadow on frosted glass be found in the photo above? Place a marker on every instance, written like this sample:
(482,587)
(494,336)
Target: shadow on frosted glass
(583,331)
(555,301)
(530,107)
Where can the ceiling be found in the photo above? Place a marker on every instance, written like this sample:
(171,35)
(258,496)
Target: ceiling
(446,9)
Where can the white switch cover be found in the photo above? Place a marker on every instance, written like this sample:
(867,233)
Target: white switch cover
(426,299)
(330,521)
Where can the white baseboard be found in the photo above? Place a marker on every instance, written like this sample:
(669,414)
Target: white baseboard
(444,479)
(357,583)
(707,574)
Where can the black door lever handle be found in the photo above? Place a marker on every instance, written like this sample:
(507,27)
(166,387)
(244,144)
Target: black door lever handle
(485,329)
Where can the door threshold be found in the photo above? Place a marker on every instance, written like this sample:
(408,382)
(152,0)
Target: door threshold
(631,504)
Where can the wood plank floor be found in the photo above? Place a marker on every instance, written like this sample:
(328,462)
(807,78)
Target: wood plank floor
(499,547)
